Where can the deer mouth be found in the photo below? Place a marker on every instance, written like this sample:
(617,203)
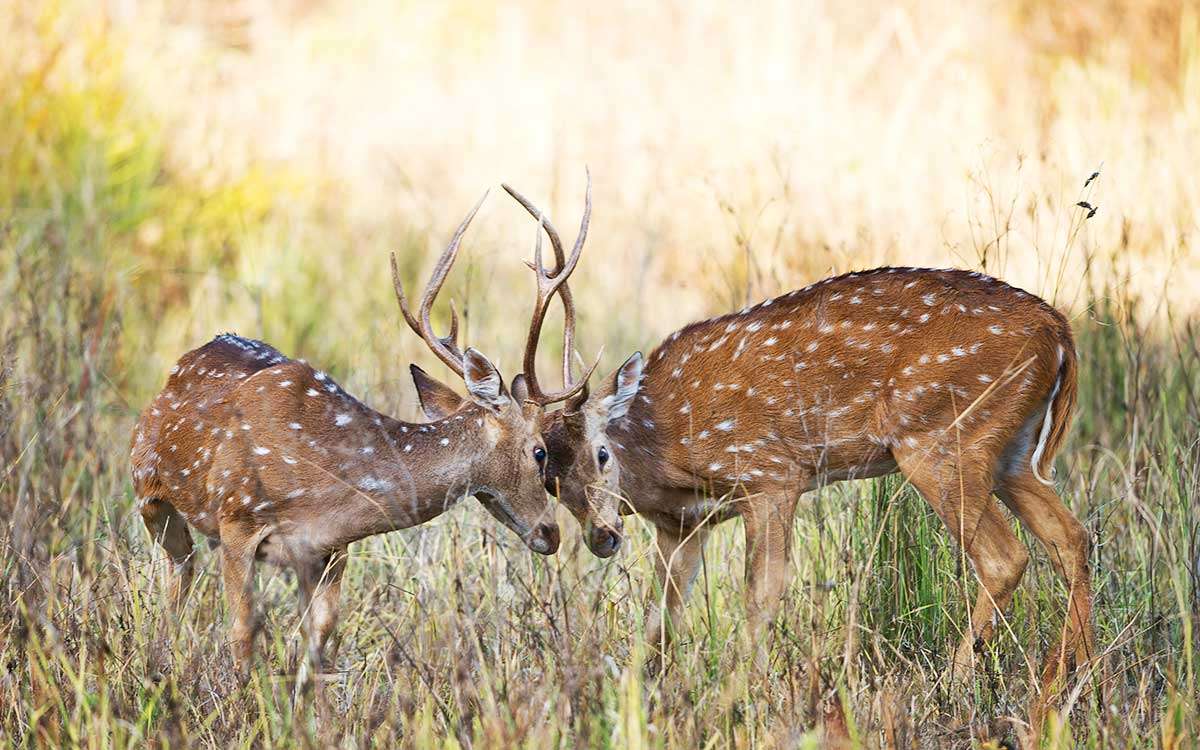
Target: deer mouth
(500,510)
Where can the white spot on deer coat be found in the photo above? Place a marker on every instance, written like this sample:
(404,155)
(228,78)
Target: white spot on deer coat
(372,484)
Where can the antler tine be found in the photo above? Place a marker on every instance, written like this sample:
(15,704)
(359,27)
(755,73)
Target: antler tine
(445,347)
(548,284)
(571,391)
(541,302)
(398,287)
(536,213)
(565,294)
(560,258)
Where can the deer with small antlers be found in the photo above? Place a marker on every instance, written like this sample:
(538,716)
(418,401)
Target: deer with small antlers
(275,461)
(960,382)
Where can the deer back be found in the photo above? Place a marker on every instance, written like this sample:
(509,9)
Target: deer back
(827,382)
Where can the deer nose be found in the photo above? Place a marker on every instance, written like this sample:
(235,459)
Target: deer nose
(544,539)
(606,541)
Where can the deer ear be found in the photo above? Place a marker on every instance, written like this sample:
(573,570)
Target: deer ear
(437,400)
(483,381)
(625,387)
(519,388)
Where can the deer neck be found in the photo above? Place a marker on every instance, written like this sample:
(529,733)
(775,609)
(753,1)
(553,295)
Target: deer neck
(636,442)
(417,472)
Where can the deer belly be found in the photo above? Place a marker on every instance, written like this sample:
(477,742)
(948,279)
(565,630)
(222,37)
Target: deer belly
(706,511)
(867,469)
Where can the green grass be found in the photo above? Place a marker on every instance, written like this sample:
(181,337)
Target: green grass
(452,634)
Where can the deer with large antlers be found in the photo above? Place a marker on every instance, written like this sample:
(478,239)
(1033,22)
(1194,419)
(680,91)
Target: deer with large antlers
(275,461)
(960,382)
(437,400)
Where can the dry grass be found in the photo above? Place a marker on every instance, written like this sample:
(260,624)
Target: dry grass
(168,171)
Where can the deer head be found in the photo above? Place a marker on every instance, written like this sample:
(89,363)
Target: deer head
(579,467)
(582,468)
(508,479)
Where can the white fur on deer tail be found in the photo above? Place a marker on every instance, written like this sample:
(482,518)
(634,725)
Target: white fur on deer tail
(1047,422)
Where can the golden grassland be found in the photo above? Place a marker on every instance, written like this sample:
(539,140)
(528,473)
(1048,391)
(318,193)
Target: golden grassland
(172,170)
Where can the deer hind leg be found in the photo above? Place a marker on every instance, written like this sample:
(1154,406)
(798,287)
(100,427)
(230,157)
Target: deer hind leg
(959,490)
(1066,541)
(768,519)
(169,529)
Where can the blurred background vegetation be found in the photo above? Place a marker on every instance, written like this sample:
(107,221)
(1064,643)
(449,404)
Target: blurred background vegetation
(171,170)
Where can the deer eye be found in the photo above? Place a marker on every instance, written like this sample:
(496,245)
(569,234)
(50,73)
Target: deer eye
(539,455)
(602,456)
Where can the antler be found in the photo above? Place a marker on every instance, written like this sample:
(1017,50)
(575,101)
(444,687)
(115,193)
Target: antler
(548,283)
(445,347)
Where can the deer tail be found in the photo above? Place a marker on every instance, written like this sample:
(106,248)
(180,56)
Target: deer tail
(1060,407)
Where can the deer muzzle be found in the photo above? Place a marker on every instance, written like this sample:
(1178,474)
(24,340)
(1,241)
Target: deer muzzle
(543,539)
(604,539)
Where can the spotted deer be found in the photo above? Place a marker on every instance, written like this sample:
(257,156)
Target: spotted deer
(960,382)
(275,461)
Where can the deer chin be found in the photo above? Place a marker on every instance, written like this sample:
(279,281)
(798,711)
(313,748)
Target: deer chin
(499,509)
